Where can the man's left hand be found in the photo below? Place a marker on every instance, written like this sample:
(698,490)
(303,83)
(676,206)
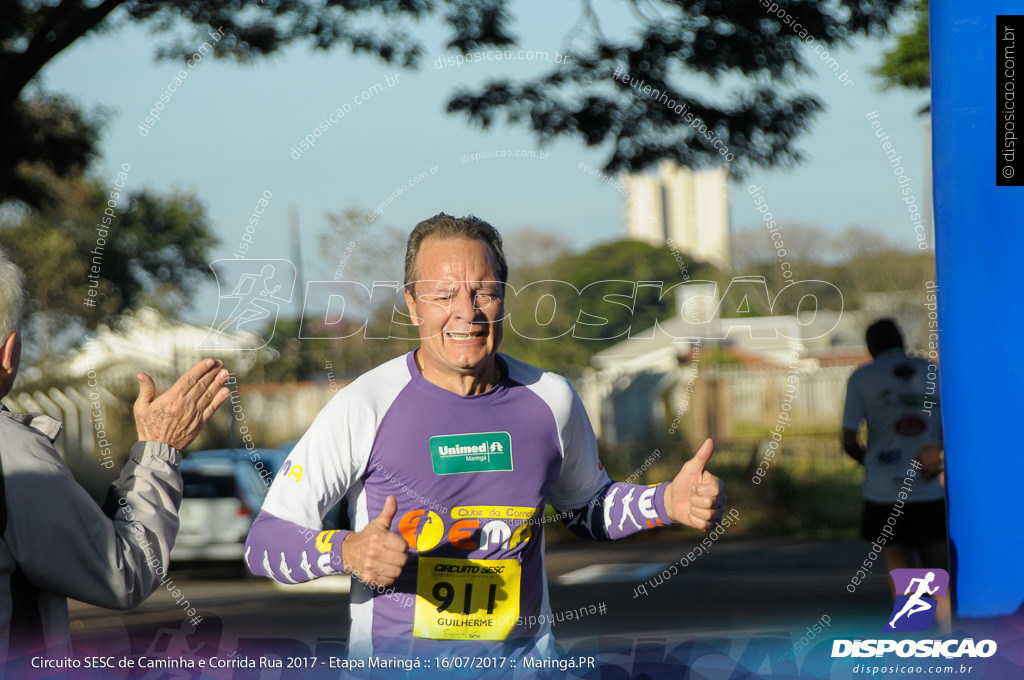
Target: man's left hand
(696,497)
(932,461)
(178,415)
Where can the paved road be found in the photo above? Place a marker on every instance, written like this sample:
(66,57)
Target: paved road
(738,588)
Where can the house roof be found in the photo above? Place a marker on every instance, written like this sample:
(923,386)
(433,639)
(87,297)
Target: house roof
(147,340)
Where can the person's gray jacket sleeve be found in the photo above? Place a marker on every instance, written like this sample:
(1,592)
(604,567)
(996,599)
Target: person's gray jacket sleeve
(66,544)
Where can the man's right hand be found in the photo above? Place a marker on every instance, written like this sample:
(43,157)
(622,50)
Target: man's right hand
(376,555)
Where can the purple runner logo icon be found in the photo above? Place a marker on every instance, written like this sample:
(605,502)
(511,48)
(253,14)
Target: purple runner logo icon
(914,610)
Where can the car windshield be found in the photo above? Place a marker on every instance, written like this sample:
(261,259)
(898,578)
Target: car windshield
(198,485)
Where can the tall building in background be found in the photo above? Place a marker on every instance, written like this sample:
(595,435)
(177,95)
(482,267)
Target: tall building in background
(690,207)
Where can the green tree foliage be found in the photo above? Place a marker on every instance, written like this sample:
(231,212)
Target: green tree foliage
(153,250)
(557,312)
(43,134)
(857,261)
(907,65)
(558,316)
(730,61)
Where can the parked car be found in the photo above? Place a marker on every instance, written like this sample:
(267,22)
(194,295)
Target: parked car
(224,490)
(268,462)
(223,493)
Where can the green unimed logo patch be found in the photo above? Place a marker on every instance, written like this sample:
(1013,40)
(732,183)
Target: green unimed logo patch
(454,454)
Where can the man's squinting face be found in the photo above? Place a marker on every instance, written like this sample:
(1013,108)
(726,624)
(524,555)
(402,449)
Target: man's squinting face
(458,306)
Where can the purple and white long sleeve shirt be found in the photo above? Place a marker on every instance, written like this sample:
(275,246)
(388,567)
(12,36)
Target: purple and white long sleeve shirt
(472,476)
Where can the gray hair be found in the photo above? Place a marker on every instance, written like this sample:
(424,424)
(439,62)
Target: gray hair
(12,296)
(445,226)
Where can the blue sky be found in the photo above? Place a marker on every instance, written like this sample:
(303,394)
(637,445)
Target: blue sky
(228,130)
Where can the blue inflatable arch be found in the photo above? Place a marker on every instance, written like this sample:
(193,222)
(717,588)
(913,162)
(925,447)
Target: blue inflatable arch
(979,250)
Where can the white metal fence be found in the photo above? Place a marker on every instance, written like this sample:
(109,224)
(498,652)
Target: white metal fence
(755,394)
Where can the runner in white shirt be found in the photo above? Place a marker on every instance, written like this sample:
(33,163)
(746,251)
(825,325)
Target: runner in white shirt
(890,394)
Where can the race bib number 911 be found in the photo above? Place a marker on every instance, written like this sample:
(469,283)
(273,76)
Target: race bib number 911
(459,599)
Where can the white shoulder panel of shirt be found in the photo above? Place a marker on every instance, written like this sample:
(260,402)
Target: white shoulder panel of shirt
(334,451)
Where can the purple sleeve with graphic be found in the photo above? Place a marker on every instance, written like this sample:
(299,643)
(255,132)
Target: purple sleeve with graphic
(619,510)
(291,553)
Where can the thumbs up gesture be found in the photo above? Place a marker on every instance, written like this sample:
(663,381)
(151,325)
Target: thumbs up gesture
(375,555)
(696,497)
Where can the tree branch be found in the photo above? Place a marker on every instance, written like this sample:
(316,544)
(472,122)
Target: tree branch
(68,22)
